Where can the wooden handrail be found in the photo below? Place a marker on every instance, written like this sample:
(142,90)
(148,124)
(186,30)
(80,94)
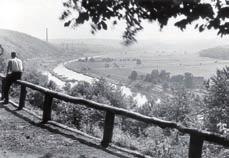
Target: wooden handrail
(197,137)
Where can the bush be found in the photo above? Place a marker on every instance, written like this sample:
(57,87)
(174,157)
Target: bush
(36,98)
(217,100)
(133,75)
(188,80)
(176,108)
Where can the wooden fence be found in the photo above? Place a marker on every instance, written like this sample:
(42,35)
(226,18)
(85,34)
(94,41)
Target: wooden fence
(197,137)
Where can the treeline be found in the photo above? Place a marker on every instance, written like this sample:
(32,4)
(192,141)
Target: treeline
(188,80)
(216,53)
(108,59)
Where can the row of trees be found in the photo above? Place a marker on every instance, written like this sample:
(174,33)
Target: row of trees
(107,59)
(157,77)
(215,102)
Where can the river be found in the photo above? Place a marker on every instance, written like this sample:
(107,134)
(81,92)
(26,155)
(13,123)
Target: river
(61,71)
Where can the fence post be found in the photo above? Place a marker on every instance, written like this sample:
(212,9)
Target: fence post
(3,86)
(47,108)
(108,129)
(195,146)
(22,97)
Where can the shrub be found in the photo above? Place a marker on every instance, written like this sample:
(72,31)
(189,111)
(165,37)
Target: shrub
(217,100)
(36,98)
(133,75)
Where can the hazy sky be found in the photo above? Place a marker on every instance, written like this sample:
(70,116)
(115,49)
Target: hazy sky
(33,16)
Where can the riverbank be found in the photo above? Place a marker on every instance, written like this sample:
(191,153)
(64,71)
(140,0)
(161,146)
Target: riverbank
(61,75)
(150,92)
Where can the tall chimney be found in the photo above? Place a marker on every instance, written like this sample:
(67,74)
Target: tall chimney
(47,35)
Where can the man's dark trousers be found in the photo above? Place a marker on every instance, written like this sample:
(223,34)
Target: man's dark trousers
(9,80)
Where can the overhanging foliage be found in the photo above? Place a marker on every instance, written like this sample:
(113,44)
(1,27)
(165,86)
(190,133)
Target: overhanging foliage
(101,13)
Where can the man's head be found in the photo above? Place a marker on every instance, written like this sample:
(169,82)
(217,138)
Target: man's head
(13,54)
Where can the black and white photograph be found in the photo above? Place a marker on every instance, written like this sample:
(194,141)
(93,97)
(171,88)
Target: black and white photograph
(114,78)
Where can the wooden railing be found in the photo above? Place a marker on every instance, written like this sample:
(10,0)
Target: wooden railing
(197,137)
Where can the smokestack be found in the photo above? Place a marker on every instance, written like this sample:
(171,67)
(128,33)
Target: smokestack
(47,35)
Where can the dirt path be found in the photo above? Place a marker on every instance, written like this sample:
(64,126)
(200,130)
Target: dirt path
(22,135)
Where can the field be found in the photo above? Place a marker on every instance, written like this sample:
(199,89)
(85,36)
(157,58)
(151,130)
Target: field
(123,64)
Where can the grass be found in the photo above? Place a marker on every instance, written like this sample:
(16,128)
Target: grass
(173,63)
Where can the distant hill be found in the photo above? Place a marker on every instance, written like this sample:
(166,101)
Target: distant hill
(26,46)
(220,52)
(103,46)
(88,46)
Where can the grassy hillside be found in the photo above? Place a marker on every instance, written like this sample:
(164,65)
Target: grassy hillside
(33,51)
(220,52)
(28,47)
(152,46)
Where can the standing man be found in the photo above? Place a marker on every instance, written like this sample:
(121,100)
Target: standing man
(2,50)
(14,72)
(1,62)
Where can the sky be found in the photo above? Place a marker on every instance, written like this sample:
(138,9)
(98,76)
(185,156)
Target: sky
(33,16)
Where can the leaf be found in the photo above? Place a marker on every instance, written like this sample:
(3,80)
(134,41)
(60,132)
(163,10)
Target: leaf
(114,22)
(104,25)
(99,26)
(196,26)
(67,4)
(64,15)
(66,24)
(201,28)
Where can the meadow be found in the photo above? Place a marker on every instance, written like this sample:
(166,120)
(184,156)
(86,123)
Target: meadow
(123,64)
